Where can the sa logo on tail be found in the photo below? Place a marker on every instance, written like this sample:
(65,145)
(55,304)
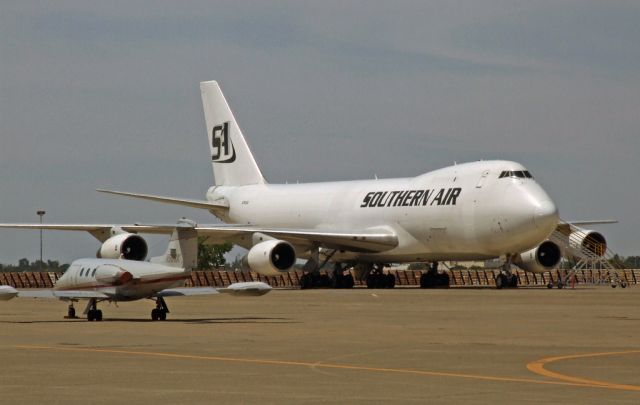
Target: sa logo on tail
(222,147)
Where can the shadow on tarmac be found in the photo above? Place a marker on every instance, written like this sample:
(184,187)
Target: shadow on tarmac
(240,320)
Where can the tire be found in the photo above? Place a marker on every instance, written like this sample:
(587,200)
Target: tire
(500,281)
(390,281)
(71,313)
(427,280)
(91,316)
(348,281)
(162,315)
(154,314)
(305,282)
(371,281)
(98,315)
(443,280)
(514,281)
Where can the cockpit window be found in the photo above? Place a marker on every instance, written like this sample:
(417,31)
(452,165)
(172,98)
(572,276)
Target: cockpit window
(521,174)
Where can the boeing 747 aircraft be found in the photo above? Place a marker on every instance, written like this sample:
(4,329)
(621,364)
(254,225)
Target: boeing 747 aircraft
(471,211)
(117,280)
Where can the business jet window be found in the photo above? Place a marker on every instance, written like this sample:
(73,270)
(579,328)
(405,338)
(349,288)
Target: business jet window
(521,174)
(93,273)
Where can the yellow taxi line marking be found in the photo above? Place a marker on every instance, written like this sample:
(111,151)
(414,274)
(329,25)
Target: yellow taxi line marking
(538,367)
(317,365)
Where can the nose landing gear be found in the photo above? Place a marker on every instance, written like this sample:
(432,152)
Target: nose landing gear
(159,313)
(506,278)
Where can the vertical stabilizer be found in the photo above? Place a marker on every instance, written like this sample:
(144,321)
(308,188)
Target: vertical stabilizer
(183,247)
(233,163)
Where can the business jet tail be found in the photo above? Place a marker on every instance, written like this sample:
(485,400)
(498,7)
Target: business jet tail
(233,162)
(183,247)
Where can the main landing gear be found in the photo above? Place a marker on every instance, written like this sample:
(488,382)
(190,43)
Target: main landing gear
(314,279)
(432,279)
(506,279)
(93,313)
(159,313)
(377,279)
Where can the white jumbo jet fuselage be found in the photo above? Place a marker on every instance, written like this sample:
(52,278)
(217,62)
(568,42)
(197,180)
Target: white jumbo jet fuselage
(466,211)
(469,211)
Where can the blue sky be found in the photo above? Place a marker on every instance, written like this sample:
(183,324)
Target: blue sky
(106,95)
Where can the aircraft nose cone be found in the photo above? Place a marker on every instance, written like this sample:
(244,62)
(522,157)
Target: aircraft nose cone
(546,215)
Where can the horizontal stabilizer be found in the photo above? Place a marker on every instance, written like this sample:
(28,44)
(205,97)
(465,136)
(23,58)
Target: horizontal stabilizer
(221,206)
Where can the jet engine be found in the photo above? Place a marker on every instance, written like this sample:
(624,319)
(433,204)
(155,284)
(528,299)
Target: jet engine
(113,275)
(542,258)
(125,245)
(590,241)
(270,258)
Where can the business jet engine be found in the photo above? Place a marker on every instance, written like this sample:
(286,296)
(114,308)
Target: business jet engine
(270,258)
(542,258)
(588,241)
(124,246)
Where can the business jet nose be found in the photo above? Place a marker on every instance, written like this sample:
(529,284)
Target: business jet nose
(546,215)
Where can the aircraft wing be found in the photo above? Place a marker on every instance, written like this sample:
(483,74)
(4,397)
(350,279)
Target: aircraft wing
(8,292)
(252,288)
(367,240)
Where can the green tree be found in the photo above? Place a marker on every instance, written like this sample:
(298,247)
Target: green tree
(211,256)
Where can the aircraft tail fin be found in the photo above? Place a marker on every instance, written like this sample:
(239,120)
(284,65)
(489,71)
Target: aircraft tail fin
(233,162)
(183,247)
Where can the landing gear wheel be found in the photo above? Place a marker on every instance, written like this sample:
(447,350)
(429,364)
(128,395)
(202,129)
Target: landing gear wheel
(155,314)
(390,281)
(94,315)
(500,281)
(560,284)
(513,282)
(549,286)
(306,281)
(623,284)
(71,312)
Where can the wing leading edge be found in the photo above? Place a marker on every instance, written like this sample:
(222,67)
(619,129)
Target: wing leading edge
(368,240)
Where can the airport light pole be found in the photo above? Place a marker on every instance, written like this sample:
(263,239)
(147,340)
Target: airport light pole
(40,214)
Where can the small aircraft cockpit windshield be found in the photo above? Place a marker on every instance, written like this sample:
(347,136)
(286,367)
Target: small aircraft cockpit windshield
(522,174)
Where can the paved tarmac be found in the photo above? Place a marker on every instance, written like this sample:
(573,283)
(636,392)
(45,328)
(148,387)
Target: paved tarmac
(405,345)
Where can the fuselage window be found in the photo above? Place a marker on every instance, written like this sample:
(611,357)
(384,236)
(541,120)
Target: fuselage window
(93,273)
(81,272)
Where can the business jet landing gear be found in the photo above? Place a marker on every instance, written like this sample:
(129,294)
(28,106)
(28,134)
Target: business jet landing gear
(432,279)
(159,313)
(93,313)
(506,278)
(71,312)
(377,279)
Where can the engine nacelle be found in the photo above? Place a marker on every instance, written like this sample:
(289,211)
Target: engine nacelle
(125,245)
(270,258)
(588,240)
(542,258)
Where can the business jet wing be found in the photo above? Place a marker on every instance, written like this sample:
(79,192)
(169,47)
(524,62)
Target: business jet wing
(8,292)
(367,240)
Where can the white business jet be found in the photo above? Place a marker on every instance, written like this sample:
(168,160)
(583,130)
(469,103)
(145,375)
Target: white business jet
(471,211)
(117,280)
